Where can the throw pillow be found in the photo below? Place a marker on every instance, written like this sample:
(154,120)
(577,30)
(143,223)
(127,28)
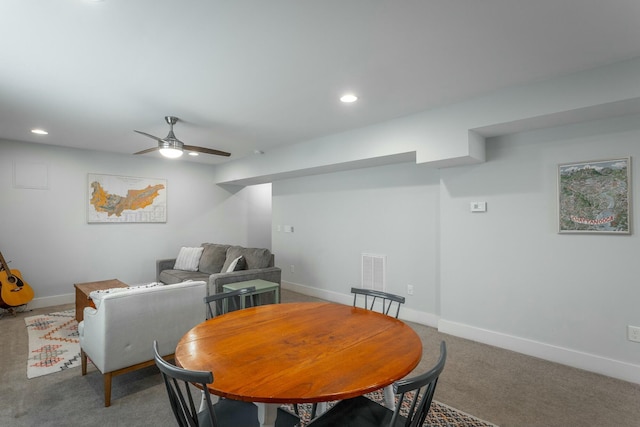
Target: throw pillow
(188,259)
(237,264)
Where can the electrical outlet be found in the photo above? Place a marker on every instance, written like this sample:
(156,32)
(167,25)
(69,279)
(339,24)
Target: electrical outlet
(409,289)
(633,333)
(292,268)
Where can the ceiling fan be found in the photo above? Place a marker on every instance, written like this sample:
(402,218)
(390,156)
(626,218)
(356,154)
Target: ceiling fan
(172,147)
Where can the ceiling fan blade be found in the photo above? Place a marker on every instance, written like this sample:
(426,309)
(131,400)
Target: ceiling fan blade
(146,134)
(148,150)
(206,150)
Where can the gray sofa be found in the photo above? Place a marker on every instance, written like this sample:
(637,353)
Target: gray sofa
(215,261)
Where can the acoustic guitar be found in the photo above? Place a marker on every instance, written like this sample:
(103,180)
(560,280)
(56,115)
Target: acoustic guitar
(13,290)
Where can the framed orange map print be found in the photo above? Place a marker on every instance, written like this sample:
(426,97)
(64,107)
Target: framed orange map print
(595,196)
(126,199)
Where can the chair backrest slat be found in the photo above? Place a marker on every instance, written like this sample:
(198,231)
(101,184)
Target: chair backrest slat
(422,389)
(386,298)
(177,382)
(215,305)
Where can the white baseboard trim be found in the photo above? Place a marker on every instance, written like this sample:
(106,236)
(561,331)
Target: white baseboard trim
(406,313)
(317,293)
(565,356)
(51,301)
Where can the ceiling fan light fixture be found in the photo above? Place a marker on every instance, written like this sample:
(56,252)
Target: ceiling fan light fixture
(171,153)
(170,148)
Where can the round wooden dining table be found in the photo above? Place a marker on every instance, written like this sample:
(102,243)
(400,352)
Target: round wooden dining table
(299,353)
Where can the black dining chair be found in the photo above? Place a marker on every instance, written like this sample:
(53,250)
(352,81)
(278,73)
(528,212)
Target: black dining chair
(386,301)
(218,304)
(224,413)
(370,296)
(367,299)
(363,412)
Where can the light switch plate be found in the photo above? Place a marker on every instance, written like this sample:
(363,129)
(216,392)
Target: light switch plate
(478,206)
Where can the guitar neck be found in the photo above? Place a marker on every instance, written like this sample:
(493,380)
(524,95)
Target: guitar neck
(5,267)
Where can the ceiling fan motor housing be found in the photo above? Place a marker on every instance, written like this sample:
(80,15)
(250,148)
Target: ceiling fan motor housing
(170,143)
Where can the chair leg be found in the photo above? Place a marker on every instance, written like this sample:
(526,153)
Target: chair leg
(389,397)
(318,409)
(83,360)
(203,402)
(107,389)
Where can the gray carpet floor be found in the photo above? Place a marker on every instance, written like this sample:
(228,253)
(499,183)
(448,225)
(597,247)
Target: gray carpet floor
(503,387)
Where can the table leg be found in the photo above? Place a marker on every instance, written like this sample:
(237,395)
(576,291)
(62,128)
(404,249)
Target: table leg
(267,413)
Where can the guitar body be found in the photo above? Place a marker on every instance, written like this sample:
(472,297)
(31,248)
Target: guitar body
(13,290)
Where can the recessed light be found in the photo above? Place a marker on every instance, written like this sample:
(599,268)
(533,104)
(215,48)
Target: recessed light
(193,153)
(39,131)
(348,98)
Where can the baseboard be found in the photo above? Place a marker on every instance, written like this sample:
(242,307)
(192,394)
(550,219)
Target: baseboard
(407,313)
(565,356)
(589,362)
(52,301)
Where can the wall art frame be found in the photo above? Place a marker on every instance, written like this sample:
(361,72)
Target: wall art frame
(595,197)
(126,199)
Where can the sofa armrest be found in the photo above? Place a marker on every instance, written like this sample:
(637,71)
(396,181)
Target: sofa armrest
(164,264)
(218,280)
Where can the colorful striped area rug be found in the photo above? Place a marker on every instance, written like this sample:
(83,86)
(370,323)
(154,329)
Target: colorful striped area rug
(440,415)
(53,343)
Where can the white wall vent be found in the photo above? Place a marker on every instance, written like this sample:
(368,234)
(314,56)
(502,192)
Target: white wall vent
(374,271)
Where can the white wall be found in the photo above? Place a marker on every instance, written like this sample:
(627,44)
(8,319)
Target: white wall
(504,277)
(46,235)
(390,210)
(258,199)
(564,297)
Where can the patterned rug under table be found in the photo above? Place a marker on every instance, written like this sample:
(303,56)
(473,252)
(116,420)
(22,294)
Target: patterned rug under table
(440,415)
(53,343)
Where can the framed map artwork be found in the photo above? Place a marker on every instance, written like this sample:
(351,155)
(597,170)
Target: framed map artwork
(125,199)
(595,197)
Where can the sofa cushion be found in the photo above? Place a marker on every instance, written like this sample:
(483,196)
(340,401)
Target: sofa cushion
(188,259)
(176,276)
(213,258)
(255,257)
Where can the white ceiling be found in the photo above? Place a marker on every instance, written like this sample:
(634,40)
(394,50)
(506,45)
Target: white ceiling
(255,74)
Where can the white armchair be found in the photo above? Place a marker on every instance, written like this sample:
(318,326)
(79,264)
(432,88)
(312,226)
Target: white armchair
(118,334)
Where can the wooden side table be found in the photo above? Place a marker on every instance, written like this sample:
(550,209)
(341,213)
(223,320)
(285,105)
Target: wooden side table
(84,289)
(261,286)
